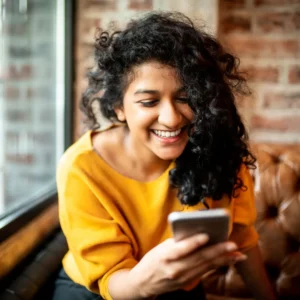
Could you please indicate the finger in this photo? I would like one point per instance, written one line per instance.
(190, 269)
(224, 260)
(205, 256)
(184, 247)
(217, 250)
(196, 265)
(185, 275)
(234, 254)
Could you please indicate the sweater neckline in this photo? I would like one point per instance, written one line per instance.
(110, 169)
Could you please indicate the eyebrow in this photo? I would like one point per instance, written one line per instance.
(146, 92)
(155, 92)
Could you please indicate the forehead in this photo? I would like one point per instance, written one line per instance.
(155, 75)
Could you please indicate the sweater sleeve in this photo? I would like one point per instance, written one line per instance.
(96, 241)
(244, 214)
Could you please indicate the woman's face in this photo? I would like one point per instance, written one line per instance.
(156, 111)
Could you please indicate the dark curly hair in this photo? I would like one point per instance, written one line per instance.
(217, 145)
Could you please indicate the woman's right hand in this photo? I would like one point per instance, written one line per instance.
(173, 265)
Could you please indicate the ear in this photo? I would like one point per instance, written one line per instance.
(120, 114)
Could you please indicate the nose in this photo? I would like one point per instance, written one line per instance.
(169, 115)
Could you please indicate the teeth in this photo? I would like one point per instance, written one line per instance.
(167, 134)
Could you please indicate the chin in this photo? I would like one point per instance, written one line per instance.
(169, 156)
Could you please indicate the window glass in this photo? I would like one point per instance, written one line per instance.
(31, 100)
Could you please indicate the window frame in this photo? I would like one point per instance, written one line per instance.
(17, 218)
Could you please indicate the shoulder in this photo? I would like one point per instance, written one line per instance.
(84, 154)
(77, 154)
(108, 139)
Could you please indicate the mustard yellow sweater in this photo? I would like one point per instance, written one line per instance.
(111, 221)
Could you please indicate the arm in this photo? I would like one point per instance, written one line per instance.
(254, 275)
(122, 286)
(98, 247)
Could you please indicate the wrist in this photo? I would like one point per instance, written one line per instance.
(140, 284)
(123, 285)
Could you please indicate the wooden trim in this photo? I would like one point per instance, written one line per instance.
(19, 245)
(33, 280)
(20, 217)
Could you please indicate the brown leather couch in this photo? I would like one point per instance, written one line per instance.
(277, 193)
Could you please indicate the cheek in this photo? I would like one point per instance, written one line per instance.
(140, 119)
(187, 113)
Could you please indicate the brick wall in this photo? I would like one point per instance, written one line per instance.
(265, 34)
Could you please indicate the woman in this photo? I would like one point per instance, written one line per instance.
(174, 142)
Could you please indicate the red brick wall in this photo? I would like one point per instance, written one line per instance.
(265, 34)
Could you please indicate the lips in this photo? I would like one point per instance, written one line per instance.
(167, 134)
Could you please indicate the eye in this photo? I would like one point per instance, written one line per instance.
(148, 103)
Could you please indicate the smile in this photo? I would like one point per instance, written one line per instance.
(167, 134)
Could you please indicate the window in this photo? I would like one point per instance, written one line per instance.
(34, 91)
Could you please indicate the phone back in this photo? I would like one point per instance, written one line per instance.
(214, 222)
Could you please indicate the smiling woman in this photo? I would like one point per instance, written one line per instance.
(175, 143)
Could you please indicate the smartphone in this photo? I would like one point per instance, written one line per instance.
(213, 222)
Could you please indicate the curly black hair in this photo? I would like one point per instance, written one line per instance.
(218, 141)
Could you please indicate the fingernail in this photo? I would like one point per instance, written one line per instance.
(202, 237)
(237, 259)
(231, 247)
(241, 257)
